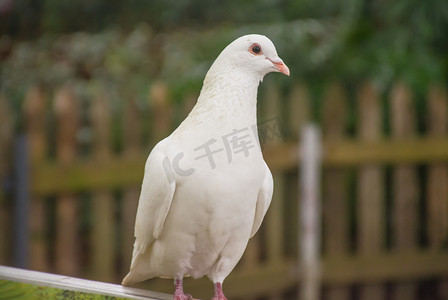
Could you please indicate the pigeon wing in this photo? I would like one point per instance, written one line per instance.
(155, 200)
(263, 200)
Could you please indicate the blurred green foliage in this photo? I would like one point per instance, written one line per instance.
(134, 42)
(13, 290)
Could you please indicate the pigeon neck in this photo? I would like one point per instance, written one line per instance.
(232, 93)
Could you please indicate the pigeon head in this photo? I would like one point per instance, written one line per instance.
(255, 53)
(251, 56)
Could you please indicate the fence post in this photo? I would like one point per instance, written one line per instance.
(102, 236)
(67, 216)
(437, 213)
(299, 114)
(310, 208)
(274, 216)
(132, 148)
(405, 185)
(6, 137)
(21, 209)
(335, 188)
(34, 111)
(437, 188)
(370, 189)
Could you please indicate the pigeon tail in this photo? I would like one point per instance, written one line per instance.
(128, 280)
(133, 278)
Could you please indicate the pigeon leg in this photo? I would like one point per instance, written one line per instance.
(219, 294)
(179, 292)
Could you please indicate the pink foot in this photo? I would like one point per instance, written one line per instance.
(179, 292)
(219, 294)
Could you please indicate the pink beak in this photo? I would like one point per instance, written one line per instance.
(280, 65)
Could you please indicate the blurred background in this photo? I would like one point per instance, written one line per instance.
(88, 87)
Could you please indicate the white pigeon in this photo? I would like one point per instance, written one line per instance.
(206, 187)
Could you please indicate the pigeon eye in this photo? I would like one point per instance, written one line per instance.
(255, 49)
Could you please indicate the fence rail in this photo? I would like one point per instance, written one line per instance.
(25, 284)
(384, 192)
(94, 174)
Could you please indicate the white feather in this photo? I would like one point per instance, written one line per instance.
(263, 201)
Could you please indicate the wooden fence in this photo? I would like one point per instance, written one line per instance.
(384, 188)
